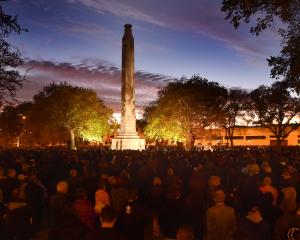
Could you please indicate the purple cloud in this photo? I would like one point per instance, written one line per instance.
(100, 76)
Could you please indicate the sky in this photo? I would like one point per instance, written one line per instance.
(79, 41)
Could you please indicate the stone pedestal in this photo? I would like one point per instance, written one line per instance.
(128, 137)
(128, 143)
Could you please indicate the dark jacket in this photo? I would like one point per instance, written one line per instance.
(220, 222)
(104, 233)
(171, 217)
(85, 212)
(65, 223)
(248, 230)
(132, 221)
(284, 223)
(58, 202)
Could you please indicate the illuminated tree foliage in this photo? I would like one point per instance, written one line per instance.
(276, 110)
(287, 64)
(10, 57)
(182, 107)
(77, 110)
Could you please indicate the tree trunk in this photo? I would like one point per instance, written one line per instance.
(231, 141)
(230, 133)
(226, 136)
(72, 143)
(188, 143)
(278, 141)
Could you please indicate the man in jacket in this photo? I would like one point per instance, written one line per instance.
(220, 219)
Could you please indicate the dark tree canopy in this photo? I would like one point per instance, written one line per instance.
(13, 121)
(264, 13)
(10, 57)
(234, 108)
(276, 109)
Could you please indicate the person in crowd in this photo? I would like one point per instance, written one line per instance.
(174, 209)
(267, 187)
(291, 214)
(58, 204)
(9, 183)
(74, 182)
(185, 232)
(253, 226)
(102, 198)
(119, 195)
(156, 195)
(185, 202)
(220, 219)
(84, 209)
(58, 201)
(214, 183)
(252, 167)
(36, 197)
(170, 178)
(65, 223)
(270, 213)
(106, 231)
(18, 219)
(133, 218)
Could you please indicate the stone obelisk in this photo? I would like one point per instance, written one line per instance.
(128, 137)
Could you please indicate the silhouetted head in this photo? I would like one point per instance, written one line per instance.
(108, 216)
(219, 196)
(11, 173)
(73, 172)
(81, 193)
(185, 232)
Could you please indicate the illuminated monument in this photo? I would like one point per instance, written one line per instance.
(128, 137)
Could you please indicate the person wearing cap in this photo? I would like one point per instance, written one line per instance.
(220, 219)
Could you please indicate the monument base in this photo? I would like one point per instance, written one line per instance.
(128, 143)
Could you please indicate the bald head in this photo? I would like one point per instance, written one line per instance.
(62, 187)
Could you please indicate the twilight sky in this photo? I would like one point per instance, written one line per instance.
(79, 41)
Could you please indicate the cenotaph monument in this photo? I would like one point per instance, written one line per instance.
(128, 137)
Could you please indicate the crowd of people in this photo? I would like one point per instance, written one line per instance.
(219, 194)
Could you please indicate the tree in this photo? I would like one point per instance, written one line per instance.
(182, 107)
(287, 65)
(232, 110)
(10, 57)
(13, 121)
(77, 110)
(276, 110)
